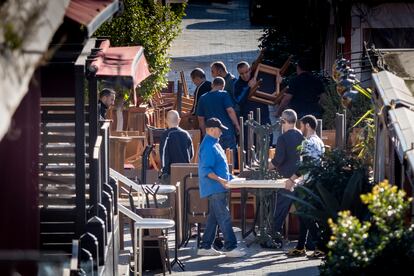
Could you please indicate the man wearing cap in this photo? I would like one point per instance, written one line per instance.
(214, 174)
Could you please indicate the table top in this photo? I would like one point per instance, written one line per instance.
(258, 184)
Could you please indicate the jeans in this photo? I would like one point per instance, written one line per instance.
(281, 209)
(219, 215)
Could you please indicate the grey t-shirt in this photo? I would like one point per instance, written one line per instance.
(287, 155)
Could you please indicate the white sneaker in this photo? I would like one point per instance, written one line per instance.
(208, 252)
(235, 253)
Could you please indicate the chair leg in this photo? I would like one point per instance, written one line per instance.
(198, 234)
(167, 253)
(135, 252)
(188, 234)
(141, 250)
(161, 247)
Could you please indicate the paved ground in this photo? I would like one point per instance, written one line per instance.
(258, 261)
(223, 32)
(214, 32)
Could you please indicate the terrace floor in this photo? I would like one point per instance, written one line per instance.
(258, 261)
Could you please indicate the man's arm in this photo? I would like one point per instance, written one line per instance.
(280, 154)
(215, 177)
(201, 124)
(284, 103)
(163, 150)
(233, 117)
(191, 148)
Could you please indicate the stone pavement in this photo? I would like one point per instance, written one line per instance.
(212, 32)
(258, 261)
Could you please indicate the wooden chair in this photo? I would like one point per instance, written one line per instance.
(195, 208)
(134, 148)
(158, 235)
(196, 138)
(139, 225)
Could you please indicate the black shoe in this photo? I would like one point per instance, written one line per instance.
(218, 243)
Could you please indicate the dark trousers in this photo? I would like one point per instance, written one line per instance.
(305, 235)
(281, 210)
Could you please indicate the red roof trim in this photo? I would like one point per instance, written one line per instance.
(127, 62)
(91, 13)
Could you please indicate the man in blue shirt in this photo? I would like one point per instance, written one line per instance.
(218, 104)
(214, 174)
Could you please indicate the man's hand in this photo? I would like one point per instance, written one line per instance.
(279, 79)
(220, 180)
(289, 184)
(252, 82)
(223, 182)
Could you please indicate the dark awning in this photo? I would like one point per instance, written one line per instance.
(128, 63)
(91, 13)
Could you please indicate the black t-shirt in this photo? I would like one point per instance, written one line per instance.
(287, 155)
(176, 147)
(306, 90)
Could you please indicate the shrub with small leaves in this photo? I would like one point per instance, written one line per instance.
(381, 246)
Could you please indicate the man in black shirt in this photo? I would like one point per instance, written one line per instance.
(218, 69)
(303, 93)
(106, 99)
(241, 93)
(198, 77)
(176, 145)
(286, 162)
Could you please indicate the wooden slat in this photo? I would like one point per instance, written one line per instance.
(65, 247)
(59, 149)
(54, 214)
(57, 138)
(57, 201)
(56, 118)
(55, 237)
(63, 169)
(56, 159)
(57, 179)
(45, 108)
(57, 227)
(61, 191)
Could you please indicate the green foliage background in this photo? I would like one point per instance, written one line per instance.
(152, 26)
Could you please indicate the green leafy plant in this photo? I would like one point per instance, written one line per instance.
(153, 26)
(384, 245)
(332, 185)
(364, 147)
(330, 102)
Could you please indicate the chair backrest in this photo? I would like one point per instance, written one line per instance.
(196, 138)
(164, 213)
(155, 212)
(196, 208)
(154, 134)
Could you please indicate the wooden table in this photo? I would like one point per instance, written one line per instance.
(259, 187)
